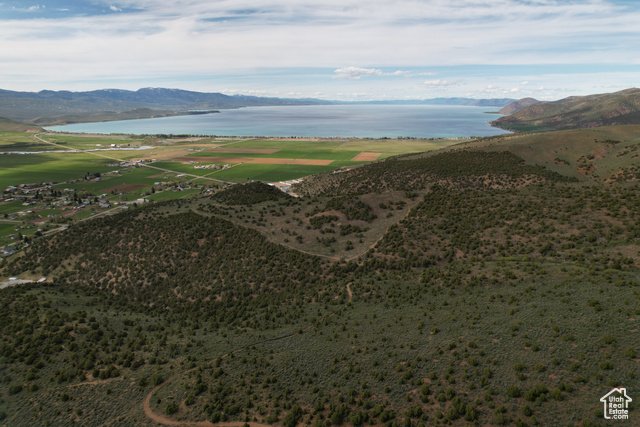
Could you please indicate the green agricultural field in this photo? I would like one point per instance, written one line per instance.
(181, 168)
(270, 173)
(84, 142)
(46, 212)
(138, 176)
(62, 167)
(171, 195)
(286, 144)
(332, 149)
(392, 147)
(286, 154)
(21, 141)
(33, 168)
(11, 207)
(6, 228)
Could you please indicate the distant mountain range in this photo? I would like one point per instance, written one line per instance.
(56, 107)
(46, 107)
(492, 102)
(59, 107)
(575, 112)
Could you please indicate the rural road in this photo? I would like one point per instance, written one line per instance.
(37, 136)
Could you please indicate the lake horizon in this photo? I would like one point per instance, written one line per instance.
(308, 121)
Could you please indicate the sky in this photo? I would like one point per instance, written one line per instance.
(350, 50)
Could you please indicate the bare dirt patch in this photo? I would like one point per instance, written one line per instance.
(366, 156)
(585, 170)
(310, 162)
(245, 150)
(125, 187)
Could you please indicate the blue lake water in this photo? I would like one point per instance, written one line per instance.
(360, 121)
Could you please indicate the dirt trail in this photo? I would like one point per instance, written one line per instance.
(161, 419)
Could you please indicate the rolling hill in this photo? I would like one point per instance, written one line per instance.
(473, 286)
(62, 106)
(519, 105)
(494, 282)
(13, 126)
(602, 154)
(576, 112)
(49, 107)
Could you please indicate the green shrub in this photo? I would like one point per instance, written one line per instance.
(514, 391)
(171, 408)
(15, 388)
(536, 392)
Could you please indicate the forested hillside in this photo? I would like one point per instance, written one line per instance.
(460, 168)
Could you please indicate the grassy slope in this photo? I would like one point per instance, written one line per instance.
(617, 108)
(512, 301)
(33, 168)
(7, 125)
(598, 154)
(105, 116)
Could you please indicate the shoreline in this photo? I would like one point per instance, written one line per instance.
(424, 122)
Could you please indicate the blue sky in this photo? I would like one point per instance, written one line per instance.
(331, 49)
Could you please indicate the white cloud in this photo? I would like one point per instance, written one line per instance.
(251, 92)
(185, 40)
(33, 8)
(439, 84)
(354, 73)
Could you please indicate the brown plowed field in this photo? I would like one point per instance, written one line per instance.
(366, 156)
(310, 162)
